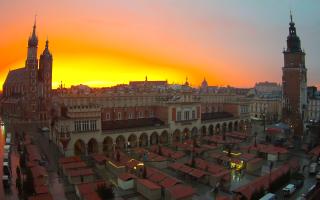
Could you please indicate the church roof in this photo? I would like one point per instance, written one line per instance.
(16, 76)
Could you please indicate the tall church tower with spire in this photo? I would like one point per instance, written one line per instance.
(32, 73)
(45, 82)
(294, 82)
(27, 91)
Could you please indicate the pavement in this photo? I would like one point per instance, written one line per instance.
(47, 150)
(11, 193)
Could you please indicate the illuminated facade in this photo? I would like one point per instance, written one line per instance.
(103, 121)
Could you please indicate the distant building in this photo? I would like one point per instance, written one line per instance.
(313, 104)
(294, 82)
(148, 84)
(267, 88)
(27, 90)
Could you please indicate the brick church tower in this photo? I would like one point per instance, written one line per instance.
(294, 82)
(32, 75)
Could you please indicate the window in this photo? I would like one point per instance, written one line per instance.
(119, 115)
(93, 125)
(140, 114)
(130, 116)
(107, 116)
(186, 115)
(179, 116)
(193, 114)
(151, 113)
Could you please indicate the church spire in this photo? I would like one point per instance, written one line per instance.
(33, 39)
(46, 51)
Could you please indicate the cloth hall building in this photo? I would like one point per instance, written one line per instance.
(128, 116)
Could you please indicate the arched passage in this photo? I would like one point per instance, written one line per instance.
(185, 134)
(224, 127)
(194, 132)
(92, 146)
(203, 131)
(235, 127)
(120, 142)
(211, 130)
(164, 137)
(79, 148)
(230, 127)
(241, 125)
(154, 138)
(132, 141)
(143, 140)
(176, 135)
(217, 129)
(107, 144)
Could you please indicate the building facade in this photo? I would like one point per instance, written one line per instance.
(140, 116)
(294, 82)
(27, 90)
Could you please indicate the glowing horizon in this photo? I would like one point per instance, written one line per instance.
(110, 43)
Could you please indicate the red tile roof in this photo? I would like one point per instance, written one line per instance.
(150, 185)
(177, 155)
(81, 172)
(157, 177)
(39, 182)
(181, 191)
(216, 155)
(43, 189)
(74, 165)
(38, 171)
(41, 197)
(213, 168)
(33, 153)
(69, 159)
(92, 196)
(197, 173)
(101, 159)
(169, 182)
(223, 198)
(185, 169)
(255, 160)
(87, 188)
(126, 176)
(315, 151)
(247, 156)
(175, 165)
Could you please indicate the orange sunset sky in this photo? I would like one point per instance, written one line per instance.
(103, 43)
